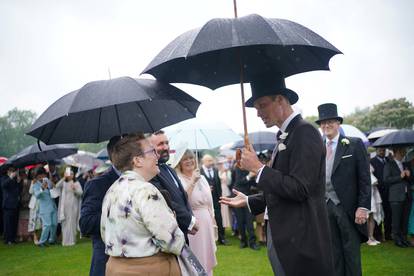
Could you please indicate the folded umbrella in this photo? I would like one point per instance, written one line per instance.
(107, 108)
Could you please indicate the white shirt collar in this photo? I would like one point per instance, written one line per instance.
(334, 140)
(288, 120)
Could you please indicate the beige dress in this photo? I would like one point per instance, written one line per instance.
(225, 177)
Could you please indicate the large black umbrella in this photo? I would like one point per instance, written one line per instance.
(260, 140)
(103, 109)
(402, 138)
(209, 55)
(227, 51)
(40, 152)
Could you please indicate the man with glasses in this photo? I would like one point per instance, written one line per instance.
(348, 191)
(167, 180)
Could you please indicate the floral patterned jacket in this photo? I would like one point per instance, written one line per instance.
(136, 221)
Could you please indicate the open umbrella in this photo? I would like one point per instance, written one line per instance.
(106, 108)
(236, 50)
(200, 134)
(83, 159)
(373, 136)
(41, 152)
(102, 154)
(402, 138)
(3, 160)
(351, 131)
(260, 140)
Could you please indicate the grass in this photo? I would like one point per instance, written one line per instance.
(26, 259)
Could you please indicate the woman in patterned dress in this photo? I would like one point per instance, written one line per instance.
(138, 228)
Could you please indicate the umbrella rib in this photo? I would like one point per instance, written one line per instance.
(205, 136)
(145, 115)
(99, 124)
(117, 119)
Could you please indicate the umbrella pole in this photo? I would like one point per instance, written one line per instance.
(195, 135)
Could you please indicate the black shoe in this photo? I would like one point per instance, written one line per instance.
(243, 244)
(53, 243)
(254, 246)
(42, 245)
(399, 243)
(406, 243)
(224, 242)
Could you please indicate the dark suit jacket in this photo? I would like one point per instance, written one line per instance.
(351, 178)
(11, 193)
(90, 217)
(178, 198)
(397, 186)
(215, 183)
(240, 182)
(294, 192)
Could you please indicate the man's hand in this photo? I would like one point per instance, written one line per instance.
(249, 160)
(361, 216)
(240, 200)
(407, 173)
(194, 230)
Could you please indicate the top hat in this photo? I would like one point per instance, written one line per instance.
(268, 85)
(328, 111)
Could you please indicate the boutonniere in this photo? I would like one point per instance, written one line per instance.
(281, 147)
(284, 135)
(345, 141)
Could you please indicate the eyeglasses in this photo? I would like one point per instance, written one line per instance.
(329, 122)
(151, 150)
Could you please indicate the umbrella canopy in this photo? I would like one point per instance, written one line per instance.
(3, 160)
(41, 152)
(260, 140)
(380, 133)
(83, 159)
(102, 154)
(210, 55)
(402, 138)
(200, 134)
(409, 156)
(106, 108)
(351, 131)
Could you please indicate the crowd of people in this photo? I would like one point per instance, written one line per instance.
(311, 201)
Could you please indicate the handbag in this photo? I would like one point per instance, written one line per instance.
(189, 264)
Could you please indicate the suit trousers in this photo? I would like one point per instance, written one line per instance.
(345, 242)
(99, 258)
(219, 222)
(245, 222)
(272, 254)
(49, 224)
(10, 220)
(400, 215)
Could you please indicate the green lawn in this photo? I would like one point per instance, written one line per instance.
(26, 259)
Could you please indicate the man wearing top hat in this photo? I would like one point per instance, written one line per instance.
(293, 185)
(348, 191)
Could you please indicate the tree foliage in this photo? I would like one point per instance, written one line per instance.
(13, 126)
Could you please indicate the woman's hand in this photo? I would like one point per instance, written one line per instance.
(195, 177)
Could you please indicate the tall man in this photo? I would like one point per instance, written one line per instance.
(378, 162)
(348, 192)
(167, 180)
(293, 185)
(90, 217)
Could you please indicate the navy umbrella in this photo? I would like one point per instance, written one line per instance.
(209, 55)
(41, 152)
(260, 140)
(102, 154)
(402, 138)
(106, 108)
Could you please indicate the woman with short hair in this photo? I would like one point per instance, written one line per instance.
(139, 230)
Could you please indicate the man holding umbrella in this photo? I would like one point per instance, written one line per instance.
(293, 185)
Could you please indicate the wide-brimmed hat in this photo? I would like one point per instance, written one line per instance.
(328, 111)
(177, 154)
(268, 85)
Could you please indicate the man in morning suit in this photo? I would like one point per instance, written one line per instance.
(378, 162)
(348, 192)
(167, 180)
(293, 185)
(90, 217)
(213, 179)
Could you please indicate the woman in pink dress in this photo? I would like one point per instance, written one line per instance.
(202, 243)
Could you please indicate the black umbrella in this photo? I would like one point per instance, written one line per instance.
(38, 153)
(402, 138)
(227, 51)
(261, 141)
(103, 109)
(209, 55)
(102, 154)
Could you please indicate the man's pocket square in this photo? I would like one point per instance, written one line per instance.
(346, 156)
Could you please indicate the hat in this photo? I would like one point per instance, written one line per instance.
(178, 153)
(268, 85)
(328, 111)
